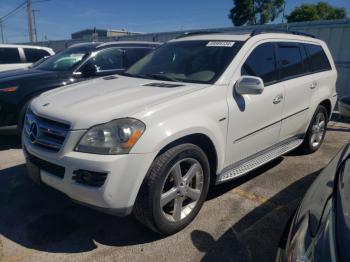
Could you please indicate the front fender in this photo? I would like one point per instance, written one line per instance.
(158, 135)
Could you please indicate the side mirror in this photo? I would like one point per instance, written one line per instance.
(89, 70)
(249, 85)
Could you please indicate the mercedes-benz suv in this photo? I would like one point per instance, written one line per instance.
(199, 110)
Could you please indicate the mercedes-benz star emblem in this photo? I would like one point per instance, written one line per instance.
(33, 132)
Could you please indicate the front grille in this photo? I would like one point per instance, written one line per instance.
(45, 133)
(53, 169)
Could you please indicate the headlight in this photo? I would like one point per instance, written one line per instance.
(299, 248)
(113, 138)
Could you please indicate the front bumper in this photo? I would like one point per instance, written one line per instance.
(117, 195)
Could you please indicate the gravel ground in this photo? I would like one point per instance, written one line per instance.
(240, 221)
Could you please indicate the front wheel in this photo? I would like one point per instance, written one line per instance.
(316, 131)
(174, 189)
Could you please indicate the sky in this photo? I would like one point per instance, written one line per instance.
(57, 19)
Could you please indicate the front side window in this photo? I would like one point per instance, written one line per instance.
(196, 61)
(317, 59)
(66, 60)
(107, 59)
(33, 55)
(289, 60)
(261, 63)
(9, 55)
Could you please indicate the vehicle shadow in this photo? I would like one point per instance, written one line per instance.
(40, 218)
(256, 236)
(10, 142)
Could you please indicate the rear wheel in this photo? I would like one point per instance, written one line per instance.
(174, 189)
(316, 131)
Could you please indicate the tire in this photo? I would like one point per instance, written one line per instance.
(165, 218)
(316, 131)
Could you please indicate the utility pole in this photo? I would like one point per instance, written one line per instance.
(35, 27)
(2, 31)
(30, 20)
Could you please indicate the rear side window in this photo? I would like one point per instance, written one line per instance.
(317, 59)
(9, 55)
(261, 63)
(290, 60)
(132, 55)
(33, 55)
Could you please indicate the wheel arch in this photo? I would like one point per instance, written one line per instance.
(328, 105)
(202, 141)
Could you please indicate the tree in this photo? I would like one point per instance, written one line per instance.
(249, 12)
(312, 12)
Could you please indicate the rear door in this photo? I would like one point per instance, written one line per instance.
(297, 83)
(34, 54)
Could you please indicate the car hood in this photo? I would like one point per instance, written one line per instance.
(101, 100)
(19, 76)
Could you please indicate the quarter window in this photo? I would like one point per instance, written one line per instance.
(33, 55)
(9, 55)
(317, 59)
(289, 60)
(261, 63)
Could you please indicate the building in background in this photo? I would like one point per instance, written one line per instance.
(89, 34)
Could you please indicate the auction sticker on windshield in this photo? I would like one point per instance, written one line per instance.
(221, 43)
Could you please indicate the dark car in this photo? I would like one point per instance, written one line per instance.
(320, 229)
(76, 63)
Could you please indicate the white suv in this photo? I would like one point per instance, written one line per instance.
(199, 110)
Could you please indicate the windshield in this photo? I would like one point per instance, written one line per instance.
(187, 61)
(65, 60)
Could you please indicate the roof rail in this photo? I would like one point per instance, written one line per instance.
(197, 33)
(282, 31)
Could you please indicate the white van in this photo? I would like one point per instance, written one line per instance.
(21, 56)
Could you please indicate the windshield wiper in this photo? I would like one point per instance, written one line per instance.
(162, 77)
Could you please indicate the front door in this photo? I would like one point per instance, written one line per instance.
(255, 120)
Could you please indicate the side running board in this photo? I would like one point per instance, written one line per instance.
(246, 165)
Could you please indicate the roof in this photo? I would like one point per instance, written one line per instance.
(133, 43)
(28, 46)
(243, 35)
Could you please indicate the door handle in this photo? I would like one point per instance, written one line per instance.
(313, 85)
(278, 99)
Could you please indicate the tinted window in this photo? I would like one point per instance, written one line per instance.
(289, 60)
(261, 62)
(108, 59)
(33, 55)
(188, 61)
(132, 55)
(317, 59)
(9, 56)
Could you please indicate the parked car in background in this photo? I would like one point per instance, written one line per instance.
(21, 56)
(199, 109)
(320, 229)
(76, 63)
